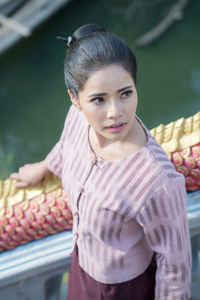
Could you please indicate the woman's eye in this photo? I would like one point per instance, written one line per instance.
(97, 100)
(126, 94)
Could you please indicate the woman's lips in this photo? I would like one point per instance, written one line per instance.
(116, 127)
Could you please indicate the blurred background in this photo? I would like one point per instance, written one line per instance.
(33, 96)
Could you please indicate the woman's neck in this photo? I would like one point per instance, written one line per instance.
(116, 150)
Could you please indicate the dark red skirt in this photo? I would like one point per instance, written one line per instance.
(83, 287)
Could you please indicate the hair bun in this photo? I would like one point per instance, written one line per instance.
(82, 32)
(86, 30)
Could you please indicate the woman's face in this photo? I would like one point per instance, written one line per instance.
(109, 101)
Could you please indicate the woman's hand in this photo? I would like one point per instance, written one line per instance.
(30, 174)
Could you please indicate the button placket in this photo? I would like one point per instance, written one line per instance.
(93, 159)
(79, 190)
(100, 164)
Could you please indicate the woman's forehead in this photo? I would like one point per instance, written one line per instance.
(108, 78)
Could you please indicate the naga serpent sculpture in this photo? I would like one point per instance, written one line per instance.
(33, 213)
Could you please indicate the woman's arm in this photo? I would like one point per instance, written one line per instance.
(165, 225)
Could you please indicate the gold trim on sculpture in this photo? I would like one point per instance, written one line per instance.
(178, 135)
(10, 196)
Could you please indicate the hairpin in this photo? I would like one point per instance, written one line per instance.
(68, 40)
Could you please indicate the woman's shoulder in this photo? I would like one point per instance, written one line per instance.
(159, 160)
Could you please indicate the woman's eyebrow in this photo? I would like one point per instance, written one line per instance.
(97, 95)
(104, 94)
(124, 88)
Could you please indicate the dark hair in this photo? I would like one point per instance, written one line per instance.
(91, 47)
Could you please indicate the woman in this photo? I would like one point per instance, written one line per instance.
(131, 237)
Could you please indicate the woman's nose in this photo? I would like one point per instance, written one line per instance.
(113, 111)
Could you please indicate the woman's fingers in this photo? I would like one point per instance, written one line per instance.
(30, 174)
(21, 184)
(15, 176)
(22, 174)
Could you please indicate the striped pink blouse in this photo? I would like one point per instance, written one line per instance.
(125, 210)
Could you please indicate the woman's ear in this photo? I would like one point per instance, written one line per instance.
(74, 100)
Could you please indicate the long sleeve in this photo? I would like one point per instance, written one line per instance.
(165, 224)
(54, 159)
